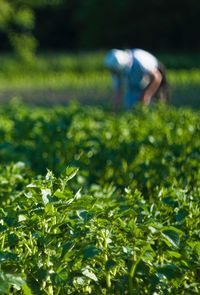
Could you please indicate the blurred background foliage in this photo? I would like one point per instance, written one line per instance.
(59, 46)
(91, 24)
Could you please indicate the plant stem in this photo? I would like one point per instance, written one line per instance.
(133, 269)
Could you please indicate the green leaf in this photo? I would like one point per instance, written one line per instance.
(60, 194)
(4, 284)
(7, 256)
(59, 278)
(26, 290)
(67, 250)
(174, 254)
(153, 229)
(181, 215)
(195, 245)
(70, 173)
(22, 217)
(87, 272)
(91, 251)
(33, 187)
(45, 194)
(169, 271)
(83, 215)
(79, 281)
(12, 239)
(3, 228)
(49, 209)
(34, 286)
(171, 238)
(7, 280)
(172, 228)
(110, 264)
(197, 248)
(170, 202)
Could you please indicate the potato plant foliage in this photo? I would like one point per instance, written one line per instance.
(98, 203)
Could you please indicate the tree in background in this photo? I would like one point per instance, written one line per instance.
(98, 24)
(17, 22)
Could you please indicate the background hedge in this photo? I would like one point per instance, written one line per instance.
(91, 24)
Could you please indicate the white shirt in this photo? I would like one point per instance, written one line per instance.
(139, 64)
(146, 59)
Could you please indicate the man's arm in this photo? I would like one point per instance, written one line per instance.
(151, 89)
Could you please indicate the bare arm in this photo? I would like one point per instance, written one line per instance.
(151, 89)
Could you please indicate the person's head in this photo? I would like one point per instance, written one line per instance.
(116, 60)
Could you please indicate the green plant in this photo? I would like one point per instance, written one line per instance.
(90, 203)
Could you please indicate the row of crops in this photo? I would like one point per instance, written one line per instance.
(93, 202)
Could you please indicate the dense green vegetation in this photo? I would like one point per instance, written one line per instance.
(99, 203)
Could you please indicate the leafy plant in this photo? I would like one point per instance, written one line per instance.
(93, 202)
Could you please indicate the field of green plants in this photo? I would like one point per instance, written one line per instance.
(99, 203)
(95, 202)
(56, 78)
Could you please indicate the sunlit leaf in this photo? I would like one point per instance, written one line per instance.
(89, 274)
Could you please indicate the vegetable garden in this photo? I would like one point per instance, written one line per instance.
(91, 201)
(99, 203)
